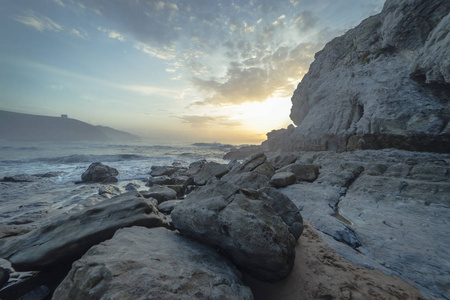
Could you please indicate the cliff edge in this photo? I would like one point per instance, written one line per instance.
(383, 84)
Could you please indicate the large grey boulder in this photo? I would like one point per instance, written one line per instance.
(303, 172)
(162, 170)
(210, 170)
(241, 224)
(283, 179)
(98, 172)
(140, 263)
(69, 238)
(160, 193)
(284, 208)
(383, 84)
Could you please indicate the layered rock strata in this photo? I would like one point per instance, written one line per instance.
(383, 84)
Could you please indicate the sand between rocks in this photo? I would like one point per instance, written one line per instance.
(321, 273)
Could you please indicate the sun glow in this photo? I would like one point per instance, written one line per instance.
(262, 117)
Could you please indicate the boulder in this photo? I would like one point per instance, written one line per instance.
(303, 172)
(161, 180)
(282, 159)
(110, 190)
(98, 172)
(208, 171)
(21, 178)
(160, 193)
(162, 170)
(249, 164)
(140, 263)
(4, 277)
(248, 180)
(179, 189)
(167, 206)
(67, 239)
(283, 179)
(132, 187)
(242, 152)
(285, 208)
(241, 225)
(265, 169)
(195, 167)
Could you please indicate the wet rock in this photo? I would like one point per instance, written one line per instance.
(162, 170)
(161, 180)
(68, 238)
(160, 193)
(20, 178)
(131, 187)
(140, 263)
(283, 179)
(110, 191)
(98, 172)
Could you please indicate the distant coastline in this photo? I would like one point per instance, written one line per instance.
(27, 127)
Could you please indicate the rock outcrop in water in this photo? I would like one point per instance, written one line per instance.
(384, 84)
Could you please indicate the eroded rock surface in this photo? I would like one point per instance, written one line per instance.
(384, 209)
(384, 84)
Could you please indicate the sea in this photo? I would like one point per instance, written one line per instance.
(70, 159)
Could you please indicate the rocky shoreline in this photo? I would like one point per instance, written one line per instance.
(247, 215)
(340, 206)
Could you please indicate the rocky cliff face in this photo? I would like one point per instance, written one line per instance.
(384, 84)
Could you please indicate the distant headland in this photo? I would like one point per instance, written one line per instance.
(26, 127)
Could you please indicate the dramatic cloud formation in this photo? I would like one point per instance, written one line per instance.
(262, 44)
(224, 66)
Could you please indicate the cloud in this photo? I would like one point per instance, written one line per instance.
(59, 2)
(233, 52)
(112, 34)
(271, 75)
(164, 53)
(201, 121)
(305, 21)
(81, 33)
(148, 90)
(38, 21)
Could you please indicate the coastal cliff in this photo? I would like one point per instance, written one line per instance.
(383, 84)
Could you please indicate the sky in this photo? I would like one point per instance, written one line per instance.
(191, 70)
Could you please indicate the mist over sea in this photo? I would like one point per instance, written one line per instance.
(70, 159)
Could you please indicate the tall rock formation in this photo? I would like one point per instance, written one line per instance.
(383, 84)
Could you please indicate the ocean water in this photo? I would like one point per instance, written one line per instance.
(71, 159)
